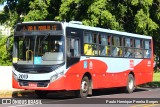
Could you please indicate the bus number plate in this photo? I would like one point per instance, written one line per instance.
(32, 84)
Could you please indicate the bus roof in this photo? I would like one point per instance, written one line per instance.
(107, 30)
(74, 25)
(39, 22)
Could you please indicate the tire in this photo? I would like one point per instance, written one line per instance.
(130, 84)
(41, 94)
(84, 88)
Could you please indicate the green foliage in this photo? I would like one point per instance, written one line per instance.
(38, 10)
(68, 10)
(143, 23)
(101, 16)
(5, 57)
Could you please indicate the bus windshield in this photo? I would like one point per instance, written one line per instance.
(39, 49)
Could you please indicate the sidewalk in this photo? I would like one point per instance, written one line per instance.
(6, 78)
(17, 93)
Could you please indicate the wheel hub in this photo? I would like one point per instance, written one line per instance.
(131, 84)
(84, 86)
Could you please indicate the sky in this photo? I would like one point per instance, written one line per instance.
(1, 6)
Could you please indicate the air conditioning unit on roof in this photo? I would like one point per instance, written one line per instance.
(76, 22)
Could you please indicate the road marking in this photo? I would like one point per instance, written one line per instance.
(144, 105)
(50, 102)
(139, 105)
(150, 105)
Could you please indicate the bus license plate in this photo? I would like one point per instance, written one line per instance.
(32, 84)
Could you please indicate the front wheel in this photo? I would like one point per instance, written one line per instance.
(130, 84)
(84, 88)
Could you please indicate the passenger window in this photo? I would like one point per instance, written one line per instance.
(147, 51)
(138, 50)
(90, 44)
(87, 37)
(117, 46)
(104, 49)
(127, 50)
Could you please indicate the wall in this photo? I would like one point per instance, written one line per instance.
(6, 78)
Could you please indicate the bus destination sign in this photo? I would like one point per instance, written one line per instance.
(38, 27)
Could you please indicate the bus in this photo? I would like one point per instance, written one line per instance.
(56, 56)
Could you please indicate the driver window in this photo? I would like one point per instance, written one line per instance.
(73, 47)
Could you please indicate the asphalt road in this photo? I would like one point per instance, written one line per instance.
(142, 97)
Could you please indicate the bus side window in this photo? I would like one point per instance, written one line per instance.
(138, 51)
(103, 45)
(73, 47)
(146, 49)
(127, 50)
(87, 49)
(90, 43)
(120, 53)
(116, 49)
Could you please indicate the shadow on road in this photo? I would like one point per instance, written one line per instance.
(29, 94)
(113, 91)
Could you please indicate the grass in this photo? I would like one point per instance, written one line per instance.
(156, 77)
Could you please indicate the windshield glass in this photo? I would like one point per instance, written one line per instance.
(40, 50)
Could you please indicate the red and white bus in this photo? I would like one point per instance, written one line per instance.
(62, 56)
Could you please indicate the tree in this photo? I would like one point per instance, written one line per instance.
(155, 15)
(38, 10)
(144, 23)
(92, 12)
(5, 57)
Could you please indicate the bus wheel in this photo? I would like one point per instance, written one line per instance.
(41, 94)
(130, 84)
(84, 89)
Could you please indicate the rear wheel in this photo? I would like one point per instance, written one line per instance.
(84, 89)
(130, 84)
(41, 94)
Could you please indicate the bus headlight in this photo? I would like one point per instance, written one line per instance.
(15, 77)
(61, 73)
(54, 77)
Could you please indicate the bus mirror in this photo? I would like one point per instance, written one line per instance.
(8, 44)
